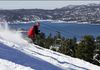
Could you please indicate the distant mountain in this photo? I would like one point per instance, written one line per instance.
(81, 13)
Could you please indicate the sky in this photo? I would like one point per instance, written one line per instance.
(40, 4)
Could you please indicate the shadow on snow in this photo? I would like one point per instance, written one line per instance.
(21, 58)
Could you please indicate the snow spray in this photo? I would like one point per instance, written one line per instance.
(4, 25)
(10, 35)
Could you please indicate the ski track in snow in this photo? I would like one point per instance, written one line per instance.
(35, 57)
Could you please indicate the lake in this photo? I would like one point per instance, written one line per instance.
(66, 30)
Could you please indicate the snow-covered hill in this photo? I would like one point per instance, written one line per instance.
(17, 54)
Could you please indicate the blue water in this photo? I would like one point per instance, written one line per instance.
(66, 30)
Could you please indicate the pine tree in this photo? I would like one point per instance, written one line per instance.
(86, 48)
(97, 42)
(68, 47)
(49, 41)
(71, 44)
(63, 48)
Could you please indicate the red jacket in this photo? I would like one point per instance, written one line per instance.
(31, 31)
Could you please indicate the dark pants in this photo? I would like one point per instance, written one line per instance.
(36, 39)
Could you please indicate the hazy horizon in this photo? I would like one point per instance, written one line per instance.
(41, 4)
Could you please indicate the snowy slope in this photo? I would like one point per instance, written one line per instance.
(7, 65)
(17, 54)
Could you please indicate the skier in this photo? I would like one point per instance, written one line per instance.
(33, 32)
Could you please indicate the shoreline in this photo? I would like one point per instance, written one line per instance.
(55, 22)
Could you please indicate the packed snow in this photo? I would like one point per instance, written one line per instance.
(17, 54)
(8, 65)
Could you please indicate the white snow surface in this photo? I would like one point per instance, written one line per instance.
(17, 54)
(8, 65)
